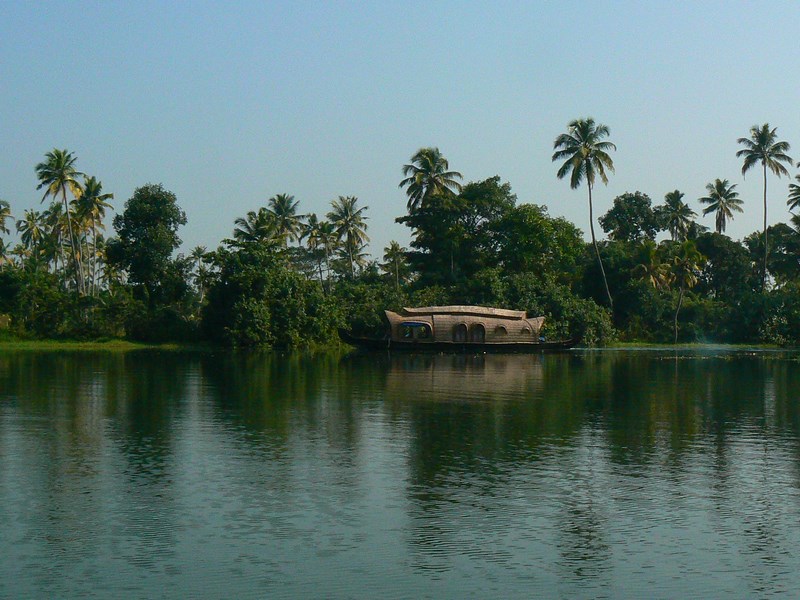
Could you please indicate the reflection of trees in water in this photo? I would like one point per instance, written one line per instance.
(102, 413)
(647, 411)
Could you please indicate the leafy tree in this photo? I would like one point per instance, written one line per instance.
(57, 174)
(728, 271)
(146, 239)
(631, 218)
(255, 300)
(454, 237)
(675, 216)
(585, 155)
(427, 176)
(763, 147)
(351, 228)
(529, 240)
(722, 200)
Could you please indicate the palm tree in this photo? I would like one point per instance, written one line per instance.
(350, 225)
(585, 155)
(676, 215)
(723, 200)
(686, 265)
(394, 257)
(794, 193)
(287, 222)
(32, 231)
(312, 232)
(91, 206)
(762, 146)
(56, 224)
(652, 269)
(255, 227)
(428, 176)
(56, 174)
(5, 215)
(5, 252)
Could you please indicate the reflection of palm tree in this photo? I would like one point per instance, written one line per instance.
(56, 174)
(585, 157)
(762, 146)
(287, 222)
(5, 215)
(428, 176)
(351, 227)
(676, 215)
(722, 200)
(686, 265)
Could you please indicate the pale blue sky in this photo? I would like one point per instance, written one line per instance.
(227, 104)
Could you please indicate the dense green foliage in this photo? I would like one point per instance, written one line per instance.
(286, 279)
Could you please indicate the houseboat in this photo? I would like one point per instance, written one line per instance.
(460, 329)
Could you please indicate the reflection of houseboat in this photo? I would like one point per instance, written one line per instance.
(460, 329)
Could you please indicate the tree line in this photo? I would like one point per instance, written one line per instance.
(289, 279)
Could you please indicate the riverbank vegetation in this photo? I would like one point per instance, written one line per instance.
(286, 278)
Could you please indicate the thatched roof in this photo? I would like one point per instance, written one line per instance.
(477, 311)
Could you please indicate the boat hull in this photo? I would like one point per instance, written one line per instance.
(456, 347)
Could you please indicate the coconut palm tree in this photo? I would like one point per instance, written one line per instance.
(350, 225)
(394, 261)
(585, 154)
(91, 206)
(56, 224)
(676, 215)
(794, 193)
(651, 268)
(763, 147)
(5, 215)
(5, 252)
(287, 222)
(57, 174)
(686, 264)
(426, 176)
(31, 228)
(255, 227)
(722, 200)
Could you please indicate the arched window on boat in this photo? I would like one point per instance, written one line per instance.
(460, 332)
(414, 330)
(477, 333)
(500, 331)
(526, 331)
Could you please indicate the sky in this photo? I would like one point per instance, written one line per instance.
(228, 104)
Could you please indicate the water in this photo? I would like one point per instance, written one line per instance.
(604, 474)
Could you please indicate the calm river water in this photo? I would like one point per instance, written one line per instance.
(589, 474)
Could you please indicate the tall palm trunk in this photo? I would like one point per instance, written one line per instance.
(76, 263)
(766, 245)
(597, 250)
